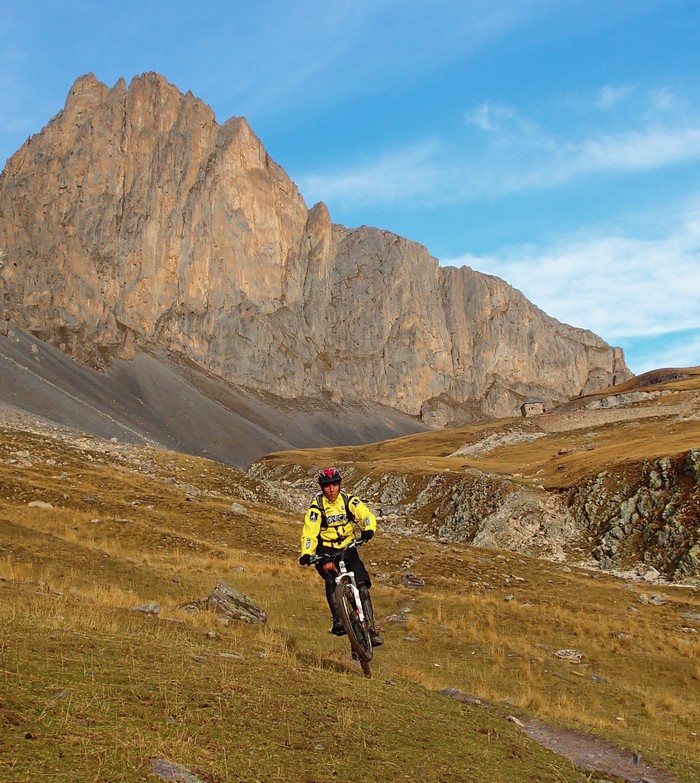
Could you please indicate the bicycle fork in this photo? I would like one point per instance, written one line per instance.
(349, 578)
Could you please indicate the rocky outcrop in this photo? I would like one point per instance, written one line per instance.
(135, 218)
(482, 509)
(627, 398)
(645, 511)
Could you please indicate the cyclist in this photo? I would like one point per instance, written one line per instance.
(328, 527)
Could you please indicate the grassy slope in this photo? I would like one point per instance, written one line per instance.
(592, 443)
(91, 690)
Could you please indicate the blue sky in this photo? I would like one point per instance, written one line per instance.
(554, 143)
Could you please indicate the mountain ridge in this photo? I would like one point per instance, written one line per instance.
(133, 218)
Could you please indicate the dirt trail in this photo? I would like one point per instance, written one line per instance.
(592, 753)
(584, 750)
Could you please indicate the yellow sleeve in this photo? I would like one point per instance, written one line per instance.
(363, 516)
(310, 531)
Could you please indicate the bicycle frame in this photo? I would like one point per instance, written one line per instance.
(349, 577)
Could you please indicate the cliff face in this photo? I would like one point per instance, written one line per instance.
(135, 218)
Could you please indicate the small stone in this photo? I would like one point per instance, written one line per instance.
(572, 656)
(167, 770)
(149, 608)
(455, 693)
(412, 581)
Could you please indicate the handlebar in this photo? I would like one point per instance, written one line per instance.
(326, 557)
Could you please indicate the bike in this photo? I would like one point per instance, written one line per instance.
(349, 603)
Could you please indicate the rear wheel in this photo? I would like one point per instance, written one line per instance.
(356, 629)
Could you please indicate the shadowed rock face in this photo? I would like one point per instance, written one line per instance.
(134, 218)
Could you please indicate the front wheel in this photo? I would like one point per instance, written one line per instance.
(356, 629)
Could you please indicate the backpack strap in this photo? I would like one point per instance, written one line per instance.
(348, 511)
(317, 503)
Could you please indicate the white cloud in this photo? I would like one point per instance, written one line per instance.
(490, 116)
(390, 178)
(616, 286)
(661, 131)
(610, 96)
(634, 150)
(663, 100)
(508, 153)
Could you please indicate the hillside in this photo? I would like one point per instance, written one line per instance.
(94, 690)
(611, 479)
(161, 399)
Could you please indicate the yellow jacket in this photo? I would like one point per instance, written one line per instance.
(337, 532)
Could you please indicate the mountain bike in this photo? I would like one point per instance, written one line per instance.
(352, 615)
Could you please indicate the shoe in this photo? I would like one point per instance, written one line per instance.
(376, 637)
(337, 629)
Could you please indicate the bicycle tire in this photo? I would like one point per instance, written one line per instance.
(357, 632)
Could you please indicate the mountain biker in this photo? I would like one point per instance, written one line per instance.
(328, 527)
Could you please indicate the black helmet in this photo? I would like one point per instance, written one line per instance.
(329, 476)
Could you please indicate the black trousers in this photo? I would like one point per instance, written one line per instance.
(353, 563)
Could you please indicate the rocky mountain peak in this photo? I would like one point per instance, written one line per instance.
(135, 218)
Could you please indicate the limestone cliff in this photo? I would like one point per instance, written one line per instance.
(135, 218)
